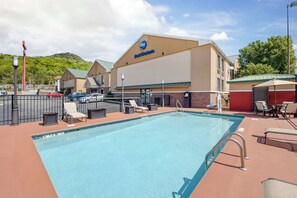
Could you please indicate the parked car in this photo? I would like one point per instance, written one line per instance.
(52, 94)
(93, 97)
(3, 92)
(75, 96)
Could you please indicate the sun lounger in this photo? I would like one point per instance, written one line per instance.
(134, 104)
(71, 112)
(279, 131)
(274, 188)
(261, 106)
(290, 108)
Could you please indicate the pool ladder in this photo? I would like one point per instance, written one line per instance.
(226, 138)
(178, 105)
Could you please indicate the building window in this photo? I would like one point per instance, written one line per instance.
(232, 75)
(222, 85)
(218, 84)
(223, 68)
(218, 64)
(102, 79)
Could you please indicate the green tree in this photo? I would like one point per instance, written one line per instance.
(41, 69)
(254, 69)
(273, 52)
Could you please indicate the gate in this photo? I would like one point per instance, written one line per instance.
(260, 93)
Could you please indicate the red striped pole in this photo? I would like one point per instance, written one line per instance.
(24, 66)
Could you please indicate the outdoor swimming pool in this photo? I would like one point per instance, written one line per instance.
(157, 156)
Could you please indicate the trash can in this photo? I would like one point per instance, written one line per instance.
(152, 107)
(96, 113)
(187, 100)
(50, 118)
(129, 110)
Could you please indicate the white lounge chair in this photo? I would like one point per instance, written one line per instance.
(273, 188)
(134, 104)
(71, 112)
(282, 109)
(279, 131)
(289, 109)
(261, 106)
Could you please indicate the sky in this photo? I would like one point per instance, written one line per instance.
(105, 29)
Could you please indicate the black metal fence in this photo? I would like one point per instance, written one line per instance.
(32, 107)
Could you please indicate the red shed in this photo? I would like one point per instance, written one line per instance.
(243, 94)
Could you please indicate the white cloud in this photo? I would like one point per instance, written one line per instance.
(91, 28)
(186, 15)
(161, 9)
(295, 46)
(177, 32)
(220, 36)
(218, 19)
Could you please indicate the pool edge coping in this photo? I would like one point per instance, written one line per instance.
(41, 135)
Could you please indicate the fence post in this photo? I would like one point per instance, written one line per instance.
(63, 107)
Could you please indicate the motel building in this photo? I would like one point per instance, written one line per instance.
(99, 77)
(73, 80)
(190, 70)
(243, 94)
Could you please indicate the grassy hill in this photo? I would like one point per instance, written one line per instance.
(41, 69)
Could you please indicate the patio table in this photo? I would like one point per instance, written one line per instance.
(276, 108)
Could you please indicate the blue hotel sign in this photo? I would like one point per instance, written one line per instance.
(142, 45)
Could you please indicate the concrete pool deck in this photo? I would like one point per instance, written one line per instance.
(23, 174)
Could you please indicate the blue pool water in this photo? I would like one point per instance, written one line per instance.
(157, 156)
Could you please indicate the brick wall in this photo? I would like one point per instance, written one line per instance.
(174, 97)
(105, 90)
(200, 99)
(197, 99)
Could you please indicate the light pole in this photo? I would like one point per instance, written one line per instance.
(293, 4)
(162, 93)
(123, 105)
(295, 72)
(15, 108)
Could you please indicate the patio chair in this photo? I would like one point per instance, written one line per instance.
(279, 131)
(134, 104)
(284, 105)
(71, 112)
(273, 188)
(261, 106)
(289, 109)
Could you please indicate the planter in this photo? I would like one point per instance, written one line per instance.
(129, 110)
(152, 107)
(96, 113)
(50, 118)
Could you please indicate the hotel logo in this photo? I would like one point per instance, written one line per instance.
(143, 44)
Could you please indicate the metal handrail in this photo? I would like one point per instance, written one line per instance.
(178, 103)
(243, 152)
(243, 144)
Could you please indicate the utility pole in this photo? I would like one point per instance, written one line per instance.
(24, 66)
